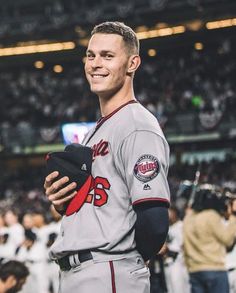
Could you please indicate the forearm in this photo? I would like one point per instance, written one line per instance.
(151, 229)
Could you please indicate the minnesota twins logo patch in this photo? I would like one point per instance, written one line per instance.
(146, 168)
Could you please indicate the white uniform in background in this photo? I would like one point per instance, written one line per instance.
(54, 227)
(35, 259)
(52, 269)
(7, 249)
(42, 233)
(52, 274)
(175, 270)
(16, 234)
(231, 267)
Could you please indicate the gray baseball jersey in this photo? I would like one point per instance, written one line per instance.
(130, 165)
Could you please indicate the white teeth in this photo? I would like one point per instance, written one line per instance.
(98, 76)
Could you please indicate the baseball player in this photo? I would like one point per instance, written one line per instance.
(103, 244)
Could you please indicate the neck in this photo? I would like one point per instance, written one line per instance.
(111, 103)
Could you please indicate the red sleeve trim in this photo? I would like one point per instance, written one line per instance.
(151, 199)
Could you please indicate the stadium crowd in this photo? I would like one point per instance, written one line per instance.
(167, 84)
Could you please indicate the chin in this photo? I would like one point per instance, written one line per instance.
(97, 90)
(102, 92)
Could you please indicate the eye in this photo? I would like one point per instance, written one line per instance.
(108, 56)
(90, 56)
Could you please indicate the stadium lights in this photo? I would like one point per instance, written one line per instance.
(58, 68)
(152, 52)
(198, 46)
(221, 23)
(142, 33)
(38, 64)
(162, 32)
(37, 48)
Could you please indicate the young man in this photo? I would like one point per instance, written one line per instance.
(124, 221)
(13, 275)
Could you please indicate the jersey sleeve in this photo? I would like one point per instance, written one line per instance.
(144, 159)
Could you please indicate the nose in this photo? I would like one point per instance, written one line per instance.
(97, 62)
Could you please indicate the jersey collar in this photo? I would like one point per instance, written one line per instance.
(103, 119)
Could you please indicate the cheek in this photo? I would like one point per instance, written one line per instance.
(85, 68)
(86, 72)
(118, 70)
(121, 74)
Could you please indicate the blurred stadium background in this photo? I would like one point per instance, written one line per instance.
(187, 80)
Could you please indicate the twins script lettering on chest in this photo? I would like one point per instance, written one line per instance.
(100, 149)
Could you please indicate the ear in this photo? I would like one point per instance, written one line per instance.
(133, 64)
(10, 282)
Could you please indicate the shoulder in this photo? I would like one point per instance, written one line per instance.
(210, 214)
(209, 218)
(135, 117)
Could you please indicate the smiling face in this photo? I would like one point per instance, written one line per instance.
(106, 65)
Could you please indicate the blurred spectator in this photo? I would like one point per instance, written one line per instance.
(7, 249)
(52, 269)
(33, 253)
(231, 267)
(15, 229)
(13, 275)
(177, 279)
(55, 223)
(28, 221)
(206, 238)
(41, 228)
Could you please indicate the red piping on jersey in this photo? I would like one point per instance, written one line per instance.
(151, 199)
(103, 119)
(113, 283)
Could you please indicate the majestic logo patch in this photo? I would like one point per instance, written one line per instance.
(146, 168)
(146, 187)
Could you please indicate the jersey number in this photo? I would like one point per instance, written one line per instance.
(100, 186)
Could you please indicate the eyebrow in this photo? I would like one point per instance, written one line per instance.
(101, 52)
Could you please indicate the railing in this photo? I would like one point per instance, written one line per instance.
(180, 128)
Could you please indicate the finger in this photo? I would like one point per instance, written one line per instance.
(50, 178)
(62, 192)
(56, 185)
(62, 201)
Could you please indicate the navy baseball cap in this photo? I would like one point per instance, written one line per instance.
(76, 163)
